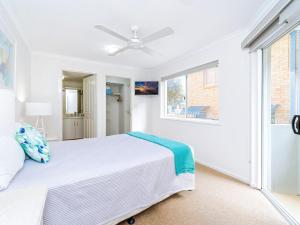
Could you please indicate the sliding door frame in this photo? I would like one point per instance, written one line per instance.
(266, 133)
(266, 121)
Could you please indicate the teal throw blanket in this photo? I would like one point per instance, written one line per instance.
(183, 157)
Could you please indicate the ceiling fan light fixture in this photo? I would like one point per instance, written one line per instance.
(110, 49)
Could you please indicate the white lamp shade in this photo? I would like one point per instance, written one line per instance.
(38, 109)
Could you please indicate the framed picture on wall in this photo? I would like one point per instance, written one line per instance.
(7, 62)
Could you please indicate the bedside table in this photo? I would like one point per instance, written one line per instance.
(23, 207)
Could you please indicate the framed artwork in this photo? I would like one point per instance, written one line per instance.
(7, 62)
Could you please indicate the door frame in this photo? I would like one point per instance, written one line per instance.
(60, 100)
(131, 81)
(256, 87)
(256, 74)
(280, 208)
(263, 133)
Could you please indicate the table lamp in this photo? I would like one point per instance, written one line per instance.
(40, 110)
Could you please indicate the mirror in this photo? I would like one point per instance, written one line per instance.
(71, 101)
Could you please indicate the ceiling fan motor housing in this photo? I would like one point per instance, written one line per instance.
(135, 43)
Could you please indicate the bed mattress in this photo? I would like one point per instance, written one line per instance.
(97, 181)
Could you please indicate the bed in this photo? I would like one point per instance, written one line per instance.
(103, 180)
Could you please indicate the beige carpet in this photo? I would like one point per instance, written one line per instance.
(218, 199)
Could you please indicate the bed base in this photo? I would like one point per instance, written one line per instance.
(131, 220)
(130, 216)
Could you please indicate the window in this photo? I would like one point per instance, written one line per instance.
(210, 78)
(283, 59)
(176, 96)
(193, 93)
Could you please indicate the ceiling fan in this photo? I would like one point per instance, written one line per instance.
(135, 41)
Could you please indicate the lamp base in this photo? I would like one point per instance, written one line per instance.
(40, 125)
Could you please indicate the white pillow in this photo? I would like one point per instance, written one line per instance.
(11, 160)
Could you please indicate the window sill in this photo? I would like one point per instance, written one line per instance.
(192, 120)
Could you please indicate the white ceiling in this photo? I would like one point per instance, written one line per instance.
(66, 27)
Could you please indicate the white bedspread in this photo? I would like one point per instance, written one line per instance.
(96, 181)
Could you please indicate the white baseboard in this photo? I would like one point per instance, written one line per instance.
(235, 176)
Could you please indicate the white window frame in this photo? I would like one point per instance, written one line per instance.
(185, 73)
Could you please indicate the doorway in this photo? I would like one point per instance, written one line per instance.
(118, 105)
(79, 105)
(281, 126)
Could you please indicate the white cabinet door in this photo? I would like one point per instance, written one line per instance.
(69, 129)
(79, 128)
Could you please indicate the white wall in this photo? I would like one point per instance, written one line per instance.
(7, 112)
(46, 73)
(22, 83)
(225, 147)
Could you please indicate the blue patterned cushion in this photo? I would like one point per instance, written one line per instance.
(33, 143)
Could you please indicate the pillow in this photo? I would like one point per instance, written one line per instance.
(33, 143)
(11, 160)
(18, 125)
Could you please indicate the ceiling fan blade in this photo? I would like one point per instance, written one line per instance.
(149, 51)
(159, 34)
(111, 32)
(119, 51)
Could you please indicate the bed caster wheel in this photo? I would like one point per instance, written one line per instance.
(131, 220)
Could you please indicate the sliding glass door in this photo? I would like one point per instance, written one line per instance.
(281, 127)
